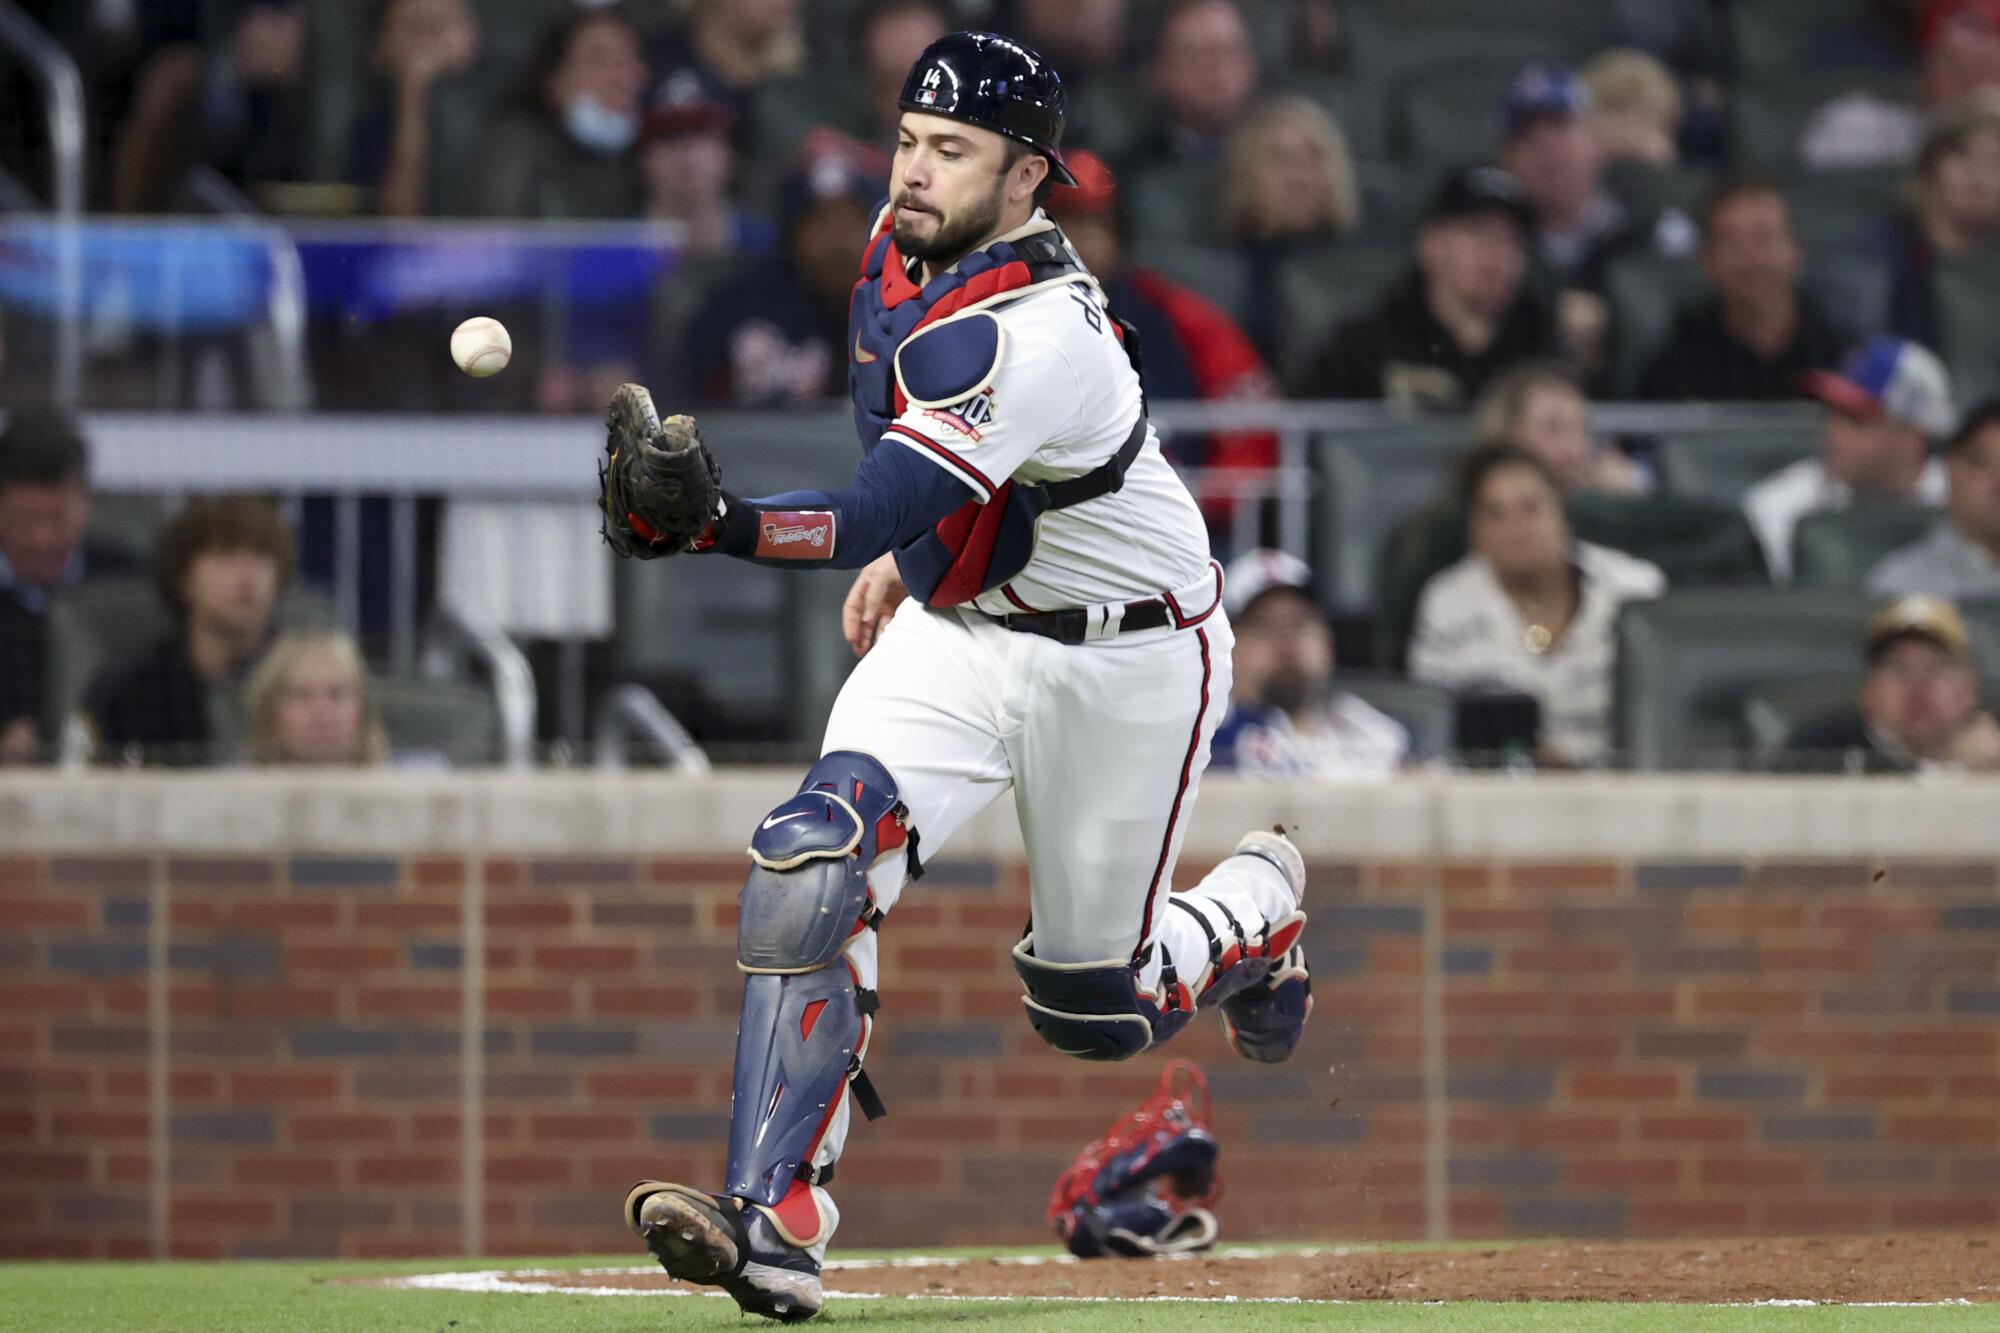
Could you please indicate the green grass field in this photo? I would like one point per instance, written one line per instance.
(295, 1297)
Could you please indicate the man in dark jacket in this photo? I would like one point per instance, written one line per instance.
(1919, 707)
(44, 504)
(1462, 315)
(1759, 334)
(220, 564)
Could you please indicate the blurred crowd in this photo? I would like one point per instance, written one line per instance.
(1319, 199)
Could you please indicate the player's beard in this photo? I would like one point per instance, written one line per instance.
(956, 236)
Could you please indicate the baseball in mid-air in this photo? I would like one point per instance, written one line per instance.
(481, 346)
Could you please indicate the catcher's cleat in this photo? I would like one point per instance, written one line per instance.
(1265, 1019)
(767, 1258)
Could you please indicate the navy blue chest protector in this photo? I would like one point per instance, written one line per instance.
(977, 547)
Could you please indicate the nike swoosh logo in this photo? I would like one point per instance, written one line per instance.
(773, 823)
(862, 354)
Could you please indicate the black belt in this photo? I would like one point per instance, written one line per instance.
(1073, 625)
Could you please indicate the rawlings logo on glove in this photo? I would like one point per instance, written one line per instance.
(659, 488)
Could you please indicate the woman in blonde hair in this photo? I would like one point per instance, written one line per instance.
(308, 702)
(1287, 187)
(1540, 407)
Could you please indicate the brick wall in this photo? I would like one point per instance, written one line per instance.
(1500, 1046)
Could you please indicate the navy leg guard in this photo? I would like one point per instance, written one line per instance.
(804, 1025)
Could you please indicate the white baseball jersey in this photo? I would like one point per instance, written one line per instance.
(1102, 743)
(1061, 400)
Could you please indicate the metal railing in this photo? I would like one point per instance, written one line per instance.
(632, 719)
(61, 87)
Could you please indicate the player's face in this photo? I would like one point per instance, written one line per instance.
(1921, 695)
(951, 184)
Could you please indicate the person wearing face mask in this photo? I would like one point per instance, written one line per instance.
(1286, 718)
(563, 148)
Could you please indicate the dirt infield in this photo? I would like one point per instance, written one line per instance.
(1841, 1270)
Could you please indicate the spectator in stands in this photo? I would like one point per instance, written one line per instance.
(1759, 332)
(1919, 707)
(1286, 718)
(44, 504)
(308, 702)
(1461, 315)
(1954, 211)
(1192, 348)
(1083, 38)
(729, 47)
(689, 167)
(1552, 147)
(1959, 41)
(418, 48)
(777, 335)
(220, 565)
(1204, 74)
(1287, 189)
(1530, 610)
(1884, 407)
(240, 109)
(1635, 107)
(1960, 559)
(1540, 407)
(563, 146)
(890, 36)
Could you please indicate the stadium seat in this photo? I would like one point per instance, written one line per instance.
(1393, 198)
(1420, 546)
(1450, 115)
(1649, 190)
(455, 722)
(1370, 480)
(1779, 35)
(1319, 292)
(1721, 464)
(1686, 662)
(1357, 105)
(1647, 292)
(1112, 112)
(1853, 289)
(1982, 626)
(1697, 542)
(1774, 712)
(1222, 276)
(1172, 205)
(1768, 113)
(1832, 211)
(1836, 548)
(1968, 300)
(1391, 39)
(1426, 711)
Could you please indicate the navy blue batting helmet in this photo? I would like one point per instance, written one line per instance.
(996, 83)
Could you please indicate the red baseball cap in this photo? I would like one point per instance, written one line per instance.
(1095, 191)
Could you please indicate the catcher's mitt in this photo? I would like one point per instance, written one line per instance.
(1146, 1186)
(659, 487)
